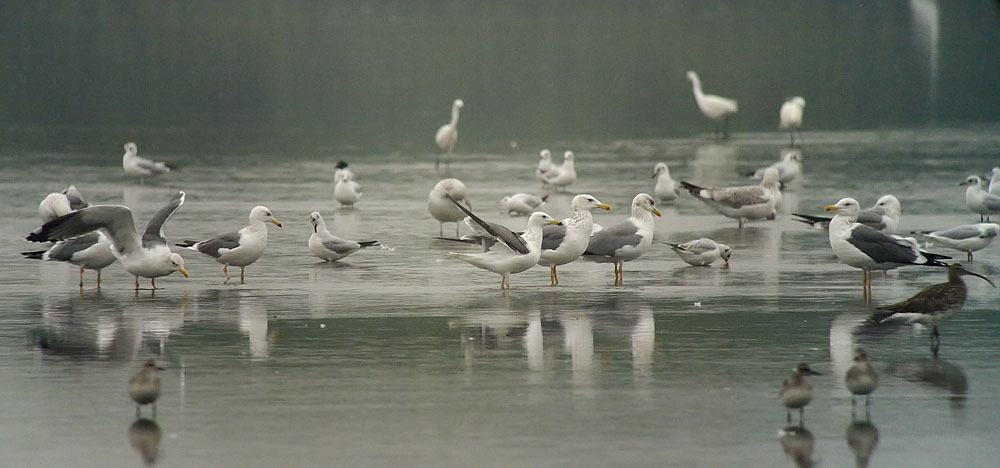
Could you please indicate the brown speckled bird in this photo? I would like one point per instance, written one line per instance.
(144, 387)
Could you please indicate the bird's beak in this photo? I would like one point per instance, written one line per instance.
(831, 208)
(812, 372)
(556, 222)
(963, 183)
(604, 206)
(654, 175)
(657, 212)
(184, 272)
(276, 223)
(727, 263)
(981, 276)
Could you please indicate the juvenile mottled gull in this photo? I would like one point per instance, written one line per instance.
(666, 189)
(967, 238)
(137, 166)
(238, 248)
(91, 251)
(702, 252)
(742, 203)
(325, 245)
(565, 243)
(627, 240)
(148, 256)
(883, 216)
(144, 387)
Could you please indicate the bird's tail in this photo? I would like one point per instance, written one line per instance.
(370, 243)
(187, 244)
(35, 254)
(694, 189)
(934, 259)
(810, 219)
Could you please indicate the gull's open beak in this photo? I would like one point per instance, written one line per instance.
(831, 208)
(556, 222)
(184, 272)
(604, 206)
(275, 221)
(657, 212)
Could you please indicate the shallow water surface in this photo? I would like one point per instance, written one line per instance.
(401, 356)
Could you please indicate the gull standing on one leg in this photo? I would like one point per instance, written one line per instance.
(627, 240)
(565, 243)
(716, 108)
(238, 248)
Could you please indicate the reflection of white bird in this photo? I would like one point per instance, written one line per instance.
(789, 167)
(716, 108)
(325, 245)
(91, 251)
(441, 208)
(544, 165)
(666, 188)
(447, 135)
(702, 252)
(967, 238)
(791, 116)
(137, 166)
(565, 243)
(148, 256)
(522, 203)
(562, 175)
(627, 240)
(238, 248)
(742, 203)
(347, 191)
(57, 204)
(979, 200)
(883, 216)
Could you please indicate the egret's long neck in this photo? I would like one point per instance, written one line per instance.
(696, 85)
(454, 116)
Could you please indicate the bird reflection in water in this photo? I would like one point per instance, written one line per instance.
(798, 443)
(862, 438)
(144, 437)
(940, 374)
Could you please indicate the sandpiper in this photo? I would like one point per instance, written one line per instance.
(144, 387)
(861, 379)
(797, 392)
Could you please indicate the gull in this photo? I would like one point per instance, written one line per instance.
(716, 108)
(57, 204)
(441, 208)
(994, 186)
(347, 191)
(137, 166)
(933, 305)
(979, 200)
(562, 175)
(544, 165)
(148, 256)
(562, 244)
(967, 238)
(627, 240)
(883, 216)
(742, 203)
(791, 116)
(520, 204)
(511, 253)
(91, 251)
(144, 387)
(863, 247)
(341, 167)
(789, 167)
(796, 391)
(666, 188)
(329, 247)
(447, 135)
(237, 248)
(702, 252)
(861, 379)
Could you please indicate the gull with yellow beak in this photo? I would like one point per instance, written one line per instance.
(238, 248)
(627, 240)
(565, 243)
(148, 256)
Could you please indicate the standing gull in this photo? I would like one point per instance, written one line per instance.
(447, 135)
(148, 256)
(521, 204)
(91, 251)
(933, 305)
(979, 200)
(789, 167)
(994, 186)
(742, 203)
(796, 391)
(967, 238)
(716, 108)
(862, 247)
(861, 379)
(441, 208)
(702, 252)
(341, 167)
(137, 166)
(347, 191)
(565, 243)
(544, 165)
(666, 188)
(562, 175)
(238, 248)
(883, 216)
(325, 245)
(57, 204)
(790, 117)
(144, 387)
(627, 240)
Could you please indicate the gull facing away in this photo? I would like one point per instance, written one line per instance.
(862, 247)
(979, 200)
(861, 379)
(790, 117)
(139, 167)
(341, 167)
(57, 204)
(238, 248)
(148, 256)
(666, 188)
(966, 238)
(511, 253)
(544, 165)
(522, 204)
(796, 391)
(789, 167)
(933, 305)
(447, 135)
(702, 252)
(627, 240)
(742, 203)
(716, 108)
(562, 244)
(883, 216)
(91, 251)
(562, 175)
(441, 208)
(326, 246)
(347, 192)
(144, 387)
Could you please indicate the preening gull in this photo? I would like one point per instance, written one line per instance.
(325, 245)
(347, 191)
(447, 135)
(790, 117)
(627, 240)
(57, 204)
(966, 238)
(238, 248)
(565, 243)
(562, 175)
(441, 208)
(522, 204)
(137, 166)
(979, 200)
(91, 251)
(148, 256)
(742, 203)
(702, 252)
(862, 247)
(666, 188)
(716, 108)
(883, 216)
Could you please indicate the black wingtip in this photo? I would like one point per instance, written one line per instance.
(34, 255)
(186, 243)
(370, 243)
(690, 187)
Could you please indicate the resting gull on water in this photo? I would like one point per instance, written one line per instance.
(148, 256)
(742, 203)
(883, 216)
(967, 238)
(347, 192)
(325, 245)
(237, 248)
(137, 166)
(522, 204)
(565, 243)
(627, 240)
